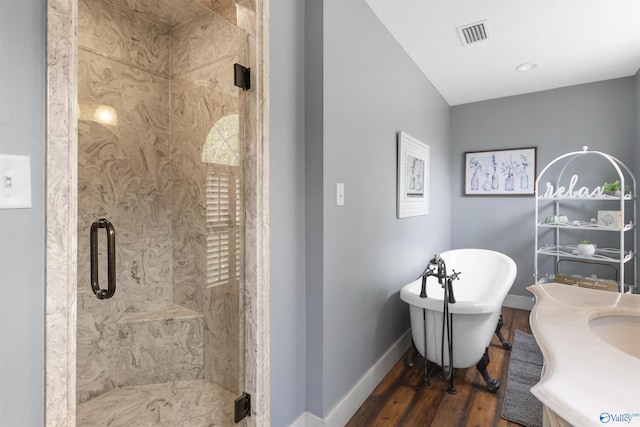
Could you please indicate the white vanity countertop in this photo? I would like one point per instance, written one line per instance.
(584, 378)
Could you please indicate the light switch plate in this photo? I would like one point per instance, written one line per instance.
(15, 182)
(339, 194)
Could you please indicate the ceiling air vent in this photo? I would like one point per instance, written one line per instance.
(473, 33)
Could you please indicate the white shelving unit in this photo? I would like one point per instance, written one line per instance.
(561, 193)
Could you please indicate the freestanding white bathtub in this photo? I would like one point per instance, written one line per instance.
(485, 279)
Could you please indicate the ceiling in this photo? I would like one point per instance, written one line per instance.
(571, 42)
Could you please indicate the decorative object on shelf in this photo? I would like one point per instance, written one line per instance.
(556, 220)
(571, 192)
(413, 176)
(508, 172)
(614, 188)
(590, 223)
(587, 282)
(611, 219)
(585, 248)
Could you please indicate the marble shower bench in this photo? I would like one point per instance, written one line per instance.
(159, 346)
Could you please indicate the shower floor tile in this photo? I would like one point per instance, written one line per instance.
(196, 403)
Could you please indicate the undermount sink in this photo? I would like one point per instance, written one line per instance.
(620, 331)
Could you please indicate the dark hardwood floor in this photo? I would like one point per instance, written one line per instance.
(401, 400)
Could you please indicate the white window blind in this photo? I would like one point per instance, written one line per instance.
(223, 216)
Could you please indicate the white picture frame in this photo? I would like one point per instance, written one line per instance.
(413, 176)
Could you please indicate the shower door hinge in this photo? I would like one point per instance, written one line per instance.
(242, 76)
(242, 407)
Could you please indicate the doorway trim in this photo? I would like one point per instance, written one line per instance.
(61, 222)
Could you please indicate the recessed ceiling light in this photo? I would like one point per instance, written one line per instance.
(527, 66)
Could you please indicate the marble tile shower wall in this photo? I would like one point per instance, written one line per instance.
(146, 177)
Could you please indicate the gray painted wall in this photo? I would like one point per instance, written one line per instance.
(600, 115)
(372, 90)
(287, 211)
(314, 164)
(22, 241)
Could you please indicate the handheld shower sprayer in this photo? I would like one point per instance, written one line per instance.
(442, 269)
(434, 260)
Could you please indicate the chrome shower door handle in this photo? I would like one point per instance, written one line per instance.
(111, 258)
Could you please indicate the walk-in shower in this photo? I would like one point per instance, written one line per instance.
(161, 140)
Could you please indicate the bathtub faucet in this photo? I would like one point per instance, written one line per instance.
(435, 263)
(438, 264)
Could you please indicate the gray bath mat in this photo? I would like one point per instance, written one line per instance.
(525, 365)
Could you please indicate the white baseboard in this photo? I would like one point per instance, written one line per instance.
(349, 404)
(313, 421)
(300, 421)
(518, 301)
(307, 419)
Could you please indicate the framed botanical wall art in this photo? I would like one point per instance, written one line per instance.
(509, 172)
(413, 177)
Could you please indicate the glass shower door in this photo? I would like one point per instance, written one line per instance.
(160, 134)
